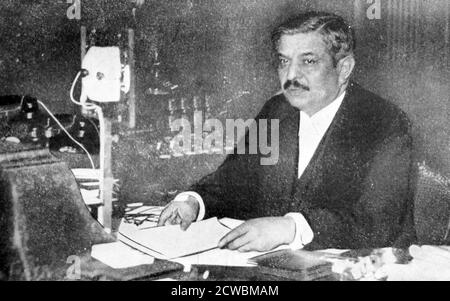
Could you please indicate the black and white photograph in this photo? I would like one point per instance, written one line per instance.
(239, 143)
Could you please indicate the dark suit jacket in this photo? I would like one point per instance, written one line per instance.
(355, 192)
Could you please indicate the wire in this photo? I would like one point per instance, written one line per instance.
(67, 133)
(98, 109)
(95, 126)
(102, 133)
(73, 87)
(86, 105)
(91, 106)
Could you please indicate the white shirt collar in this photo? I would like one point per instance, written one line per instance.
(323, 118)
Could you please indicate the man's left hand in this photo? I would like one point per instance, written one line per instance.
(261, 234)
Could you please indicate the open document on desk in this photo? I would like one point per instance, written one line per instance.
(171, 242)
(197, 245)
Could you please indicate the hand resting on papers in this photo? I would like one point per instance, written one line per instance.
(180, 213)
(261, 234)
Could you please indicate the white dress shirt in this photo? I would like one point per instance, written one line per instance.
(311, 131)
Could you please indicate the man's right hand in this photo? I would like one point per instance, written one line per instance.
(180, 212)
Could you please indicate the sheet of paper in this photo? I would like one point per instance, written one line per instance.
(416, 270)
(171, 242)
(90, 197)
(123, 238)
(120, 256)
(222, 257)
(86, 173)
(231, 222)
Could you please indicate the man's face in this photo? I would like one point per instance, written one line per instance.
(308, 77)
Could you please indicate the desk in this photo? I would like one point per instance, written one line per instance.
(94, 270)
(221, 273)
(355, 264)
(432, 265)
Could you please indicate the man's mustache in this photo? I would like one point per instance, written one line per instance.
(293, 83)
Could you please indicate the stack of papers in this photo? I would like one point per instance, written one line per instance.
(89, 183)
(86, 174)
(120, 256)
(223, 257)
(196, 246)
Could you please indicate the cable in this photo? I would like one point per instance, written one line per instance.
(90, 106)
(73, 87)
(67, 133)
(102, 131)
(95, 126)
(102, 134)
(86, 105)
(98, 109)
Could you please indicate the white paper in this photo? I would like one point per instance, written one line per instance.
(90, 197)
(231, 222)
(223, 257)
(86, 173)
(416, 270)
(170, 242)
(119, 256)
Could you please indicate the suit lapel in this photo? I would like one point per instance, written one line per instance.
(330, 169)
(276, 180)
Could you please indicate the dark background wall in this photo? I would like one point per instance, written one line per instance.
(222, 48)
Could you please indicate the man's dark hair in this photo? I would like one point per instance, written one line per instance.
(336, 33)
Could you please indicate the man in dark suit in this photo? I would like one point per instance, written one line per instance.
(343, 178)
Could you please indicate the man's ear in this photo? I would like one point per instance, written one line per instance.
(345, 67)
